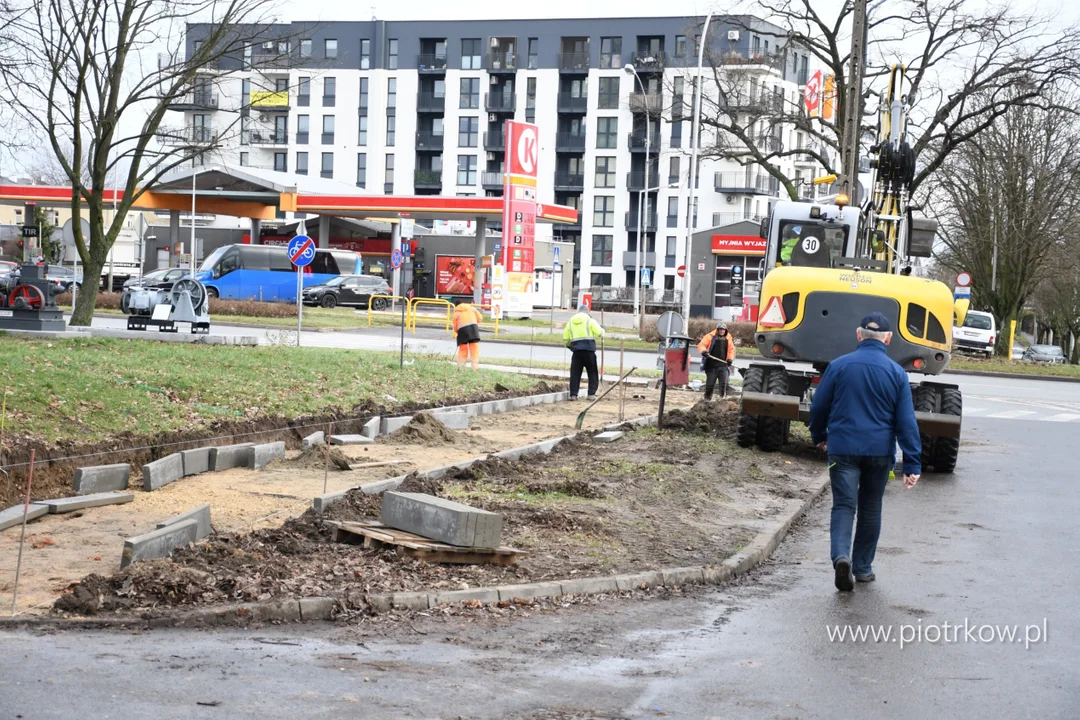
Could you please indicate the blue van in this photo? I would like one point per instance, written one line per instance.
(264, 272)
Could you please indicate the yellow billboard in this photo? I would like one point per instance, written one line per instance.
(269, 98)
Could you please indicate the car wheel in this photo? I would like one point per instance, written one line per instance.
(378, 304)
(212, 292)
(328, 300)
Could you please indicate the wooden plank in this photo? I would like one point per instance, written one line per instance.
(376, 534)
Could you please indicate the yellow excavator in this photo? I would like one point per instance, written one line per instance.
(828, 264)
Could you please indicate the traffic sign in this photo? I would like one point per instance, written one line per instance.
(555, 250)
(963, 279)
(812, 96)
(301, 250)
(396, 258)
(681, 271)
(646, 276)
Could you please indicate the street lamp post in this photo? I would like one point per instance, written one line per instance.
(695, 140)
(641, 201)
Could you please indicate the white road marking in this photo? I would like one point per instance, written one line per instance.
(974, 411)
(1011, 414)
(1063, 417)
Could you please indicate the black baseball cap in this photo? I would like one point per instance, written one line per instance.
(877, 322)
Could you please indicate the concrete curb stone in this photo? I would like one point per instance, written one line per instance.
(196, 461)
(227, 457)
(200, 515)
(316, 438)
(14, 515)
(82, 502)
(636, 581)
(371, 428)
(484, 595)
(159, 543)
(101, 478)
(266, 453)
(529, 590)
(162, 471)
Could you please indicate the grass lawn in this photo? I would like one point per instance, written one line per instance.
(94, 388)
(1015, 366)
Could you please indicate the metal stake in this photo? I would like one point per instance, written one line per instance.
(326, 467)
(22, 535)
(622, 386)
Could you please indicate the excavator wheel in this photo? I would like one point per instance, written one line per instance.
(774, 430)
(946, 449)
(926, 401)
(746, 434)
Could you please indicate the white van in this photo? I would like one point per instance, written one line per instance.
(977, 334)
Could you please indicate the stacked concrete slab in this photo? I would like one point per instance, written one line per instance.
(101, 478)
(444, 520)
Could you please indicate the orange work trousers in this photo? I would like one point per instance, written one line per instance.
(469, 352)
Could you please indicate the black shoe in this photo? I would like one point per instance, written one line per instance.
(845, 581)
(869, 577)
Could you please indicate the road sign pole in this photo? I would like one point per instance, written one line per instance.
(554, 267)
(299, 303)
(401, 360)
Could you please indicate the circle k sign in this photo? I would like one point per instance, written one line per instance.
(527, 150)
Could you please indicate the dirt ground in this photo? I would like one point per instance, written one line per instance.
(652, 499)
(61, 549)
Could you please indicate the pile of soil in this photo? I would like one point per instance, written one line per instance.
(423, 429)
(719, 418)
(314, 458)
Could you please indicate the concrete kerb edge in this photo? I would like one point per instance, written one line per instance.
(1008, 376)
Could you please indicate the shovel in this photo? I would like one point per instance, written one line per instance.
(581, 415)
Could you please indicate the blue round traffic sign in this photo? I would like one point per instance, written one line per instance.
(301, 250)
(396, 258)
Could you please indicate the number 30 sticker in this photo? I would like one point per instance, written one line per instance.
(811, 245)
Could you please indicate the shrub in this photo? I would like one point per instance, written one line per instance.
(105, 301)
(742, 333)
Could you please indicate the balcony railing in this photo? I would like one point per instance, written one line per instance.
(427, 179)
(267, 100)
(570, 142)
(184, 136)
(647, 61)
(636, 181)
(494, 140)
(630, 259)
(651, 103)
(574, 62)
(636, 141)
(500, 62)
(501, 102)
(567, 180)
(746, 182)
(632, 221)
(429, 141)
(568, 102)
(430, 102)
(431, 62)
(271, 137)
(757, 58)
(491, 180)
(166, 61)
(197, 100)
(720, 219)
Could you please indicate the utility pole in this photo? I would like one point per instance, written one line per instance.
(853, 103)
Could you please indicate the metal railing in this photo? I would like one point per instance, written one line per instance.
(569, 102)
(636, 180)
(199, 99)
(632, 221)
(645, 60)
(494, 140)
(500, 61)
(411, 314)
(574, 62)
(500, 102)
(569, 142)
(720, 219)
(491, 179)
(431, 62)
(565, 179)
(191, 135)
(428, 140)
(745, 182)
(651, 103)
(427, 178)
(430, 102)
(636, 141)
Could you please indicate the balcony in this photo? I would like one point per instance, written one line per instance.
(805, 158)
(175, 62)
(632, 221)
(636, 141)
(427, 179)
(570, 142)
(198, 100)
(429, 141)
(500, 62)
(566, 180)
(570, 103)
(635, 181)
(769, 143)
(270, 101)
(746, 182)
(495, 141)
(268, 137)
(491, 180)
(720, 219)
(646, 61)
(574, 62)
(431, 63)
(500, 102)
(630, 259)
(760, 59)
(651, 103)
(430, 102)
(191, 136)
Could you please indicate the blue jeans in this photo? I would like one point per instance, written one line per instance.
(858, 483)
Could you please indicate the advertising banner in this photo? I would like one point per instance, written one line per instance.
(454, 275)
(519, 214)
(738, 245)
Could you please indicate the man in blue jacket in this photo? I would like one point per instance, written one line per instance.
(861, 409)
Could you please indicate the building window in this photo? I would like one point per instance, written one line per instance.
(281, 162)
(301, 163)
(245, 129)
(680, 46)
(673, 212)
(607, 132)
(391, 93)
(611, 53)
(365, 54)
(673, 170)
(601, 250)
(392, 54)
(470, 93)
(303, 127)
(327, 165)
(466, 170)
(671, 244)
(329, 93)
(601, 279)
(530, 100)
(330, 48)
(361, 170)
(303, 91)
(677, 105)
(388, 177)
(391, 130)
(245, 92)
(470, 54)
(361, 138)
(676, 135)
(243, 160)
(281, 85)
(603, 211)
(468, 131)
(534, 53)
(328, 130)
(605, 172)
(363, 92)
(305, 48)
(609, 94)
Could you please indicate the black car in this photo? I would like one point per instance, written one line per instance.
(162, 276)
(1044, 353)
(62, 277)
(348, 290)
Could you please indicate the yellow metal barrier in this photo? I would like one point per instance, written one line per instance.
(430, 301)
(391, 298)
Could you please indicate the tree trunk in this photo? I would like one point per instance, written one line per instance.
(83, 312)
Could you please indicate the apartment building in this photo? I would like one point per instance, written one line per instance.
(419, 107)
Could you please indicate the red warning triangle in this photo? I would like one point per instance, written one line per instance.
(773, 315)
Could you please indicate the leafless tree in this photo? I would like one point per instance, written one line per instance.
(1031, 209)
(965, 66)
(84, 76)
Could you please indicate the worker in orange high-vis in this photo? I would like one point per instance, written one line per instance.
(717, 356)
(467, 328)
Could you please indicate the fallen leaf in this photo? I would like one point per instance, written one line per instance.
(43, 542)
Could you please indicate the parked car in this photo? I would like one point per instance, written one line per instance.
(977, 333)
(1044, 353)
(7, 266)
(162, 276)
(349, 290)
(62, 277)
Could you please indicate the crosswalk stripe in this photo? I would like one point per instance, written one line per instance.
(1062, 417)
(974, 411)
(1010, 414)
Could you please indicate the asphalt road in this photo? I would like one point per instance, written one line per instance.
(994, 544)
